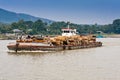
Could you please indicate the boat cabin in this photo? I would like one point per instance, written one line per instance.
(68, 32)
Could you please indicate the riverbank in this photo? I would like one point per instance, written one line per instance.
(6, 37)
(111, 35)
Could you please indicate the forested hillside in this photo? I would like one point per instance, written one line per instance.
(39, 27)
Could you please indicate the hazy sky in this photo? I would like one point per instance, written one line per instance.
(76, 11)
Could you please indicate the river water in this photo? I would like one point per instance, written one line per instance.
(102, 63)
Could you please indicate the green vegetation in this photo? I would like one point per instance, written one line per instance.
(39, 27)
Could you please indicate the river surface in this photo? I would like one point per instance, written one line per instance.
(102, 63)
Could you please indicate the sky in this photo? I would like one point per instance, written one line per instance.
(74, 11)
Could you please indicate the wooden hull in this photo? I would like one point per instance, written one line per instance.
(46, 47)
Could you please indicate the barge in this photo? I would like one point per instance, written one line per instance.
(69, 40)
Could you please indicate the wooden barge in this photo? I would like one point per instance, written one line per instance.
(38, 47)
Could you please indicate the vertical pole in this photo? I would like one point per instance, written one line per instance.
(16, 48)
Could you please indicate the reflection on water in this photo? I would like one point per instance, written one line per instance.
(100, 63)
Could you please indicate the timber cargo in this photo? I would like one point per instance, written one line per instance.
(69, 40)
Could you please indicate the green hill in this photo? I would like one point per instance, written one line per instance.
(9, 17)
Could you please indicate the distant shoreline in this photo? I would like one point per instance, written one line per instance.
(112, 35)
(104, 35)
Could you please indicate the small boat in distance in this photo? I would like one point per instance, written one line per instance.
(99, 34)
(69, 40)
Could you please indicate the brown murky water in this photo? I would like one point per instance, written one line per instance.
(102, 63)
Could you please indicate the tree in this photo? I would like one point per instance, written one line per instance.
(39, 27)
(116, 26)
